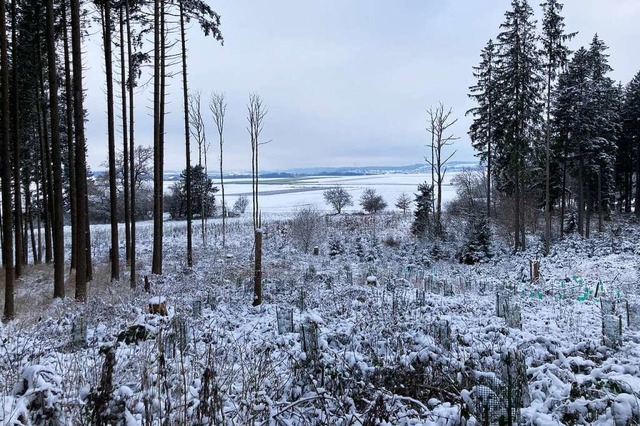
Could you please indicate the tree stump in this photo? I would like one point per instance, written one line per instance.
(158, 306)
(534, 270)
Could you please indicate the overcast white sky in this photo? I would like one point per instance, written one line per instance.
(347, 83)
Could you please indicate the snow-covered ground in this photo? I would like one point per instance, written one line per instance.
(285, 195)
(376, 329)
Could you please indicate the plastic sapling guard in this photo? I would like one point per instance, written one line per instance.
(633, 314)
(196, 308)
(79, 331)
(181, 332)
(513, 316)
(310, 340)
(612, 331)
(502, 303)
(284, 319)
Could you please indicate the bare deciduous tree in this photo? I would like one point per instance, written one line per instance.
(241, 204)
(338, 197)
(305, 227)
(440, 122)
(372, 202)
(198, 132)
(256, 113)
(218, 106)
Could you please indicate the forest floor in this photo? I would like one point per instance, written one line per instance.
(377, 329)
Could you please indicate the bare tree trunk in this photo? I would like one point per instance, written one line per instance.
(132, 257)
(45, 160)
(218, 108)
(489, 177)
(113, 191)
(440, 123)
(185, 94)
(255, 118)
(637, 203)
(257, 270)
(83, 253)
(517, 202)
(70, 144)
(29, 217)
(125, 143)
(564, 189)
(587, 227)
(15, 117)
(156, 267)
(523, 223)
(600, 212)
(5, 151)
(56, 158)
(547, 205)
(433, 178)
(39, 257)
(581, 199)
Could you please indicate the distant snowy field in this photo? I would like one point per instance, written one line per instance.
(284, 195)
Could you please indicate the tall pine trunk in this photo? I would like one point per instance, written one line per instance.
(185, 95)
(564, 190)
(15, 135)
(113, 191)
(70, 145)
(132, 180)
(125, 143)
(45, 162)
(56, 159)
(5, 152)
(158, 136)
(637, 203)
(547, 204)
(83, 253)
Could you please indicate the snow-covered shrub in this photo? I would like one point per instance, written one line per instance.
(37, 397)
(305, 227)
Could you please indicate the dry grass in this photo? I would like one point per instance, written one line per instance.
(34, 292)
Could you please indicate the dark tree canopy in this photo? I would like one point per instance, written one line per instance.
(203, 197)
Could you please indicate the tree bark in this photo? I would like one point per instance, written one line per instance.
(132, 258)
(257, 270)
(159, 91)
(46, 173)
(113, 191)
(15, 135)
(56, 159)
(185, 95)
(581, 198)
(125, 143)
(70, 145)
(83, 253)
(564, 189)
(5, 151)
(547, 204)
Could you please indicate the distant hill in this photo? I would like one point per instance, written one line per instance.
(173, 175)
(338, 171)
(376, 170)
